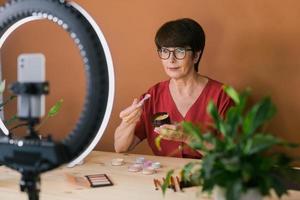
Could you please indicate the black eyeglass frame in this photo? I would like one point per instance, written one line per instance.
(173, 51)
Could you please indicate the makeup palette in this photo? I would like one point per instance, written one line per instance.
(99, 180)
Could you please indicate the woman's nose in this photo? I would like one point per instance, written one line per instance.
(172, 57)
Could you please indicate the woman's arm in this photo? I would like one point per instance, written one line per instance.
(125, 139)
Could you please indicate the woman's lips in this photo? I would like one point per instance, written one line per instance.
(173, 68)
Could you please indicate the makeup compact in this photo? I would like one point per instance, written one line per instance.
(160, 118)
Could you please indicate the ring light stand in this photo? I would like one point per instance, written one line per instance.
(32, 156)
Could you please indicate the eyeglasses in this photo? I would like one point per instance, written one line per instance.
(178, 52)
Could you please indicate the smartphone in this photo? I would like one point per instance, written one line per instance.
(31, 69)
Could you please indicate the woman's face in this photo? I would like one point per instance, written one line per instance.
(179, 63)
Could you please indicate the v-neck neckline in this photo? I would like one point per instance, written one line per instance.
(195, 102)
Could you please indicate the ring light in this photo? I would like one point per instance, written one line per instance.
(100, 85)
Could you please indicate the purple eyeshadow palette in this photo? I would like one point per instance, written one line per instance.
(99, 180)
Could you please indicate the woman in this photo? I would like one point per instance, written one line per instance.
(184, 96)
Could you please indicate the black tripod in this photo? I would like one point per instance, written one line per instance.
(30, 183)
(30, 179)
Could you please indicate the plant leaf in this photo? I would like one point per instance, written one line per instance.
(51, 113)
(55, 109)
(234, 190)
(278, 186)
(195, 135)
(187, 171)
(2, 86)
(260, 143)
(286, 175)
(11, 120)
(258, 115)
(11, 97)
(192, 130)
(157, 142)
(167, 181)
(213, 111)
(208, 164)
(232, 93)
(233, 120)
(231, 164)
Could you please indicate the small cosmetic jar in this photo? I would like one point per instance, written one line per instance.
(135, 168)
(147, 163)
(156, 165)
(148, 171)
(160, 118)
(140, 160)
(117, 162)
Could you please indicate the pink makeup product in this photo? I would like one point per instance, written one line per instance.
(148, 171)
(147, 163)
(135, 168)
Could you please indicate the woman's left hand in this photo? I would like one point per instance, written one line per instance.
(172, 132)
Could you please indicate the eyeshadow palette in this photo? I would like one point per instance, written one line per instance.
(99, 180)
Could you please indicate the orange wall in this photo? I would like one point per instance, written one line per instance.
(249, 43)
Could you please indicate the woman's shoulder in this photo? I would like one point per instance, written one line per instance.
(159, 87)
(214, 85)
(214, 88)
(215, 91)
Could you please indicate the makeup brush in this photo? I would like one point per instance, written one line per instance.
(141, 102)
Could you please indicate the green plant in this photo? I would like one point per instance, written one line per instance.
(51, 113)
(241, 158)
(6, 101)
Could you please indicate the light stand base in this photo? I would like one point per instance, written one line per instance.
(30, 183)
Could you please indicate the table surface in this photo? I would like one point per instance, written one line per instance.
(127, 185)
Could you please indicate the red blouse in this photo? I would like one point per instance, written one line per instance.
(162, 101)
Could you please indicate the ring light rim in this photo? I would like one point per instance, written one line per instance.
(110, 69)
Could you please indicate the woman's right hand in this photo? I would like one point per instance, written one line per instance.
(131, 114)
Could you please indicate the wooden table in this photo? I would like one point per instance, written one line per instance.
(127, 185)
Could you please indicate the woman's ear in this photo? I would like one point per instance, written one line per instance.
(197, 56)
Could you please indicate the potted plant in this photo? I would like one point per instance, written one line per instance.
(238, 164)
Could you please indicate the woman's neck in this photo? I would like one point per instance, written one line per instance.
(186, 85)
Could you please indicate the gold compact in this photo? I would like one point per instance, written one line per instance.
(160, 118)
